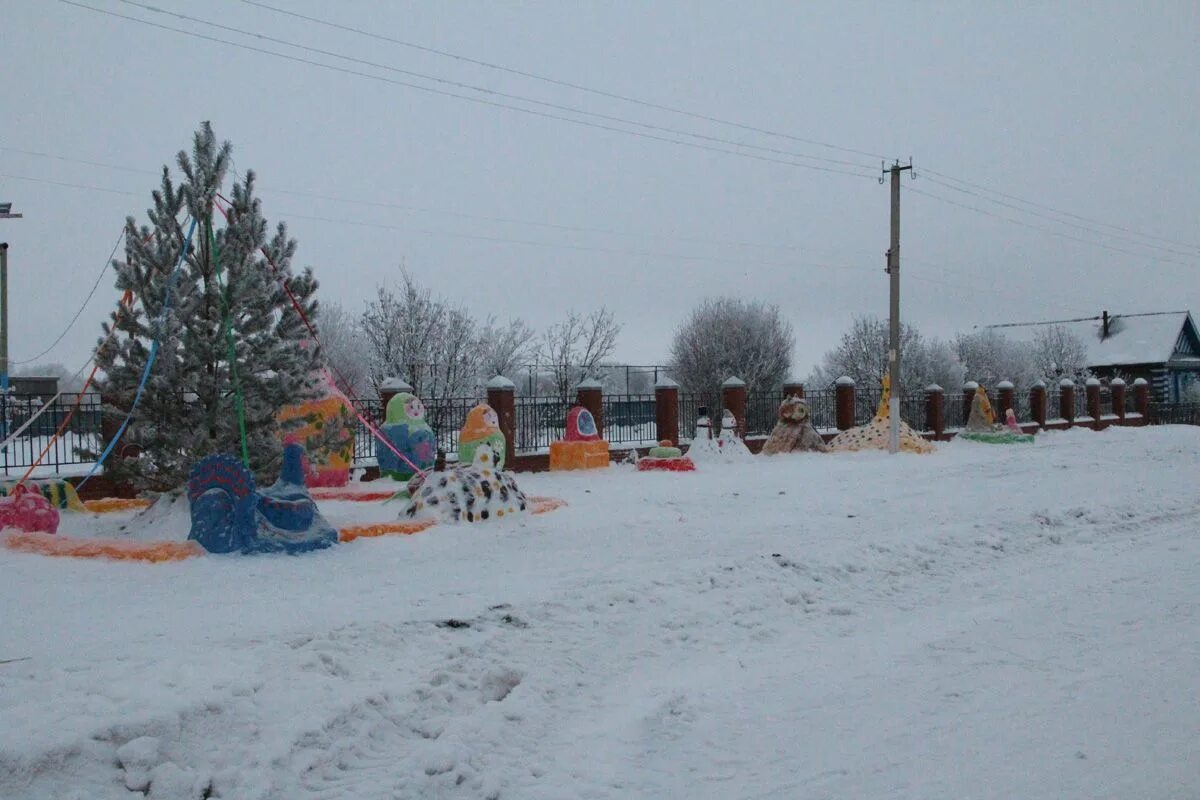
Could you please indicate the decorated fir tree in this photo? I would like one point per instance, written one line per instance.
(232, 350)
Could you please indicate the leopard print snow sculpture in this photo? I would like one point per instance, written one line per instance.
(874, 435)
(466, 493)
(794, 430)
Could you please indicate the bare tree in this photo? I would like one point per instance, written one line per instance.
(574, 348)
(346, 348)
(504, 348)
(1058, 353)
(728, 336)
(862, 355)
(989, 357)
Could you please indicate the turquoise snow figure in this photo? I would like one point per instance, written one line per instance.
(405, 427)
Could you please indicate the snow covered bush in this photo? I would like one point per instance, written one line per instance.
(862, 354)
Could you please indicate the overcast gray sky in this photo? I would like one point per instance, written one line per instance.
(1087, 108)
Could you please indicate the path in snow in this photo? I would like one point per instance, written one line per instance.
(984, 622)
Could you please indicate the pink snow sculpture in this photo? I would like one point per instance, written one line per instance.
(28, 511)
(1010, 419)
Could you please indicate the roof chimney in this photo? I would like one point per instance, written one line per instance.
(1104, 329)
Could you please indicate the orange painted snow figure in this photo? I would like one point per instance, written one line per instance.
(28, 511)
(114, 549)
(874, 435)
(581, 447)
(327, 434)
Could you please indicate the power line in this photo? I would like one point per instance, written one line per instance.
(565, 84)
(1076, 225)
(479, 100)
(493, 92)
(69, 185)
(1059, 211)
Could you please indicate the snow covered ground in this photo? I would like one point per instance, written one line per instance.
(985, 622)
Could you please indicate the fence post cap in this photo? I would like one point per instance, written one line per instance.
(590, 383)
(733, 382)
(1039, 384)
(1004, 385)
(396, 385)
(501, 382)
(934, 388)
(1117, 382)
(970, 386)
(665, 383)
(1066, 383)
(1141, 382)
(845, 380)
(1093, 382)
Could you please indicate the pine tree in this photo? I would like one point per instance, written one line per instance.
(189, 408)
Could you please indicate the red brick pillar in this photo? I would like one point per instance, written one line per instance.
(1006, 398)
(1092, 387)
(733, 399)
(1141, 397)
(389, 389)
(968, 397)
(1066, 400)
(1118, 397)
(793, 389)
(935, 409)
(666, 410)
(845, 403)
(501, 396)
(590, 395)
(1037, 403)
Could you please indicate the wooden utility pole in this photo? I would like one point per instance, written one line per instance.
(893, 271)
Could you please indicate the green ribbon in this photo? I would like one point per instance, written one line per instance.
(223, 290)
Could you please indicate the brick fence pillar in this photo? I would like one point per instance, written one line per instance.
(793, 389)
(1118, 397)
(1092, 387)
(1037, 403)
(845, 403)
(389, 389)
(1006, 398)
(968, 398)
(590, 395)
(733, 398)
(666, 410)
(501, 396)
(1141, 397)
(935, 409)
(1066, 400)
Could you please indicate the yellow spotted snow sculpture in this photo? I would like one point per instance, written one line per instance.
(874, 435)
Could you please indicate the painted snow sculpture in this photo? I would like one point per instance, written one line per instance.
(405, 427)
(230, 516)
(28, 511)
(666, 458)
(729, 441)
(59, 493)
(482, 427)
(874, 435)
(981, 424)
(325, 428)
(468, 492)
(794, 431)
(1010, 421)
(581, 447)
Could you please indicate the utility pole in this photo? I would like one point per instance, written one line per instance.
(893, 271)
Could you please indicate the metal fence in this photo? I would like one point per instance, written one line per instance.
(1174, 414)
(83, 432)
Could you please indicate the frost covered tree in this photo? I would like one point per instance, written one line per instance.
(989, 357)
(505, 348)
(862, 354)
(1058, 353)
(225, 288)
(728, 336)
(574, 348)
(344, 345)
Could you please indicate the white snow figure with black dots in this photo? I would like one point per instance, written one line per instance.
(472, 492)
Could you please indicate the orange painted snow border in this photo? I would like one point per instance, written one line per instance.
(384, 529)
(53, 545)
(357, 497)
(544, 505)
(107, 505)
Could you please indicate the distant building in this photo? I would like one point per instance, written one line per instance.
(1162, 347)
(39, 387)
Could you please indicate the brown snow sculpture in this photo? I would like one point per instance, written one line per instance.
(794, 430)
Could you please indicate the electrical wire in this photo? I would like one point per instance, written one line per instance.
(565, 84)
(479, 100)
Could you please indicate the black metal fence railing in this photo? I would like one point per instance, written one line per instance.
(690, 404)
(1174, 414)
(630, 419)
(83, 432)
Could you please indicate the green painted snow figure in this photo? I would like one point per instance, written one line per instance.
(405, 427)
(482, 427)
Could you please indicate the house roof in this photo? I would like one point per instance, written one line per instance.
(1133, 338)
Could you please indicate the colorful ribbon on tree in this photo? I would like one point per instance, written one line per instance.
(238, 399)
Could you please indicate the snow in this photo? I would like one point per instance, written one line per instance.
(805, 626)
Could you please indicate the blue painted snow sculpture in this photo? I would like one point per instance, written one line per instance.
(230, 516)
(405, 427)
